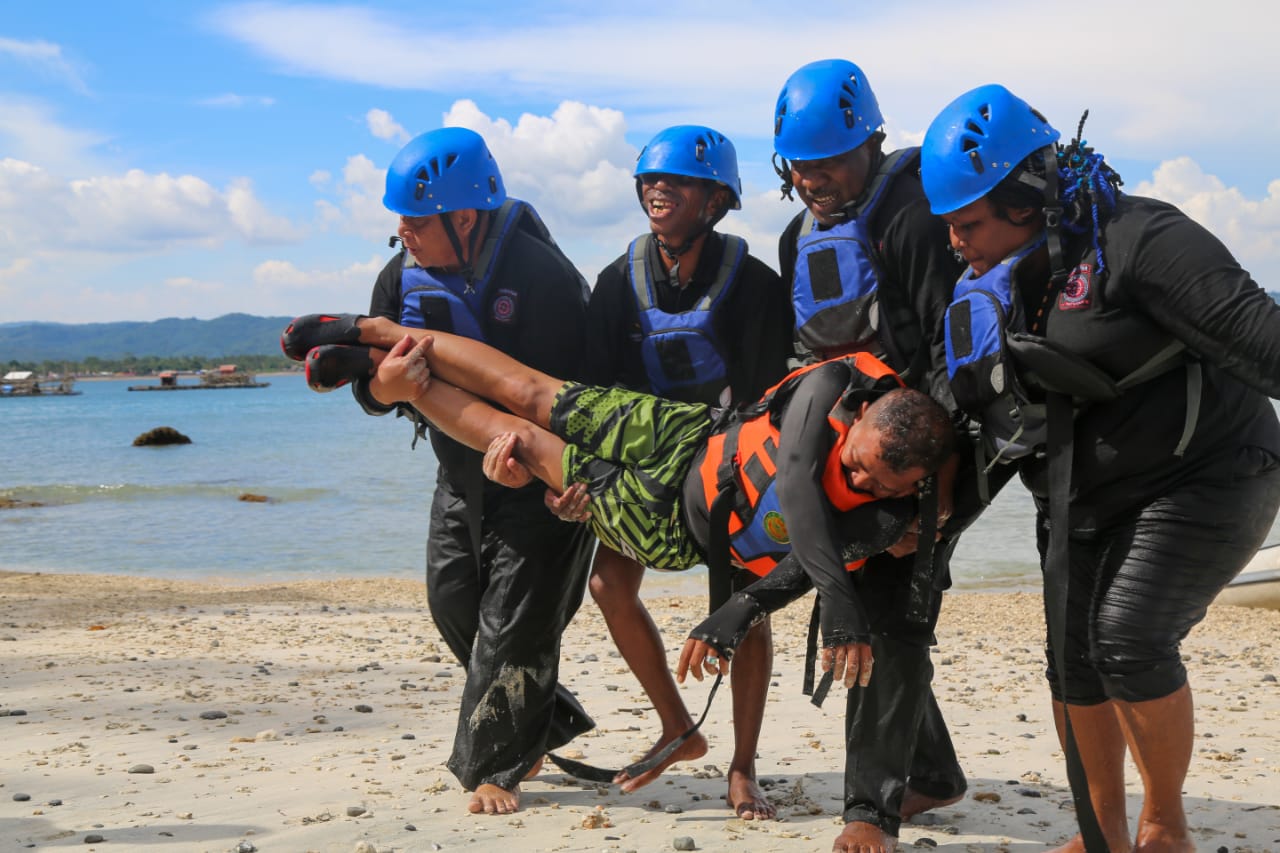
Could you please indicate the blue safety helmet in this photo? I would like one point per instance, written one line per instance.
(443, 170)
(824, 109)
(696, 152)
(976, 142)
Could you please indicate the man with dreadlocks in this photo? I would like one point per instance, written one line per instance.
(688, 314)
(869, 270)
(1139, 357)
(504, 575)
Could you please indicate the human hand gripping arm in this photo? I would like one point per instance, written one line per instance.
(403, 376)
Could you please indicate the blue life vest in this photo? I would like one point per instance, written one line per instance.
(837, 274)
(449, 302)
(682, 356)
(1000, 374)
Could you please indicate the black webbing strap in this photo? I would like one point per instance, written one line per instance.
(923, 571)
(1053, 218)
(719, 559)
(600, 774)
(817, 695)
(1057, 570)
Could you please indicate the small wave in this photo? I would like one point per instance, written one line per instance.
(62, 494)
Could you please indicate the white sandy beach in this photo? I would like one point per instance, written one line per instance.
(317, 716)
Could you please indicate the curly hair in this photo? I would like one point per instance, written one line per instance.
(915, 431)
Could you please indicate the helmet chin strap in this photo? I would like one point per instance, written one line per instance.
(1052, 213)
(706, 225)
(464, 259)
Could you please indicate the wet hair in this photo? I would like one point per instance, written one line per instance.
(915, 431)
(1088, 189)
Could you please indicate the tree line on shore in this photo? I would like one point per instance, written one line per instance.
(150, 365)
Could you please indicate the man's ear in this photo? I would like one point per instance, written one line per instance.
(464, 221)
(862, 410)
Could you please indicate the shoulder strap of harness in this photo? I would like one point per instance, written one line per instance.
(735, 249)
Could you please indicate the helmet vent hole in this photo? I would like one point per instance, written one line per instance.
(985, 112)
(493, 184)
(974, 128)
(453, 158)
(976, 160)
(419, 191)
(777, 124)
(1038, 115)
(700, 151)
(848, 119)
(421, 174)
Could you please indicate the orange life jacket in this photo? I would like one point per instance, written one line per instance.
(745, 457)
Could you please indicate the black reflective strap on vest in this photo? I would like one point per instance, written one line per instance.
(1057, 571)
(591, 773)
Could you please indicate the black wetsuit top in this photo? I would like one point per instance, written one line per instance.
(1165, 275)
(753, 323)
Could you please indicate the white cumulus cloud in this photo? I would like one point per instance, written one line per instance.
(1250, 228)
(383, 126)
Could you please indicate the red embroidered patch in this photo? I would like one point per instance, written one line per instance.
(504, 306)
(1075, 293)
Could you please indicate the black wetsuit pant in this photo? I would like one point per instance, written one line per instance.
(1140, 583)
(894, 731)
(502, 614)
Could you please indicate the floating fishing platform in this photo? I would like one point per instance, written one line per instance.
(24, 383)
(226, 376)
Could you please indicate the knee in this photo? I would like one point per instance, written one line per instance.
(1134, 673)
(600, 589)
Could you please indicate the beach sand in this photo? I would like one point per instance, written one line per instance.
(318, 716)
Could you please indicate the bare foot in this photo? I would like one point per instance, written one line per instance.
(862, 837)
(1076, 845)
(535, 769)
(694, 747)
(490, 799)
(747, 799)
(1165, 839)
(914, 803)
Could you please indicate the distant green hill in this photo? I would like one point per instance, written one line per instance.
(231, 334)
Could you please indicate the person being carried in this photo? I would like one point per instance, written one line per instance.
(689, 314)
(819, 468)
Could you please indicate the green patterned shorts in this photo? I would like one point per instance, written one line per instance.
(633, 451)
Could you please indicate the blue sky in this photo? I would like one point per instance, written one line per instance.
(162, 159)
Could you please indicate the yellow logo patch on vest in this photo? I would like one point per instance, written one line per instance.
(776, 527)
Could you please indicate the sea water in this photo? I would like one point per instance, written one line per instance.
(346, 494)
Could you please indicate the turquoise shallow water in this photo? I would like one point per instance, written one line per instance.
(347, 495)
